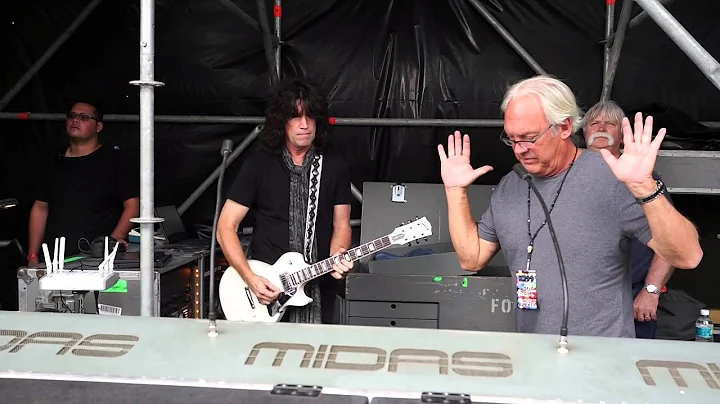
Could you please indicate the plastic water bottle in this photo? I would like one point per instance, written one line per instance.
(704, 327)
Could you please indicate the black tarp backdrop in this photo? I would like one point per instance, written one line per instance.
(404, 58)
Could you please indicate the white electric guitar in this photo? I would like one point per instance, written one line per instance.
(290, 274)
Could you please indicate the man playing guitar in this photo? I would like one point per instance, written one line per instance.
(299, 192)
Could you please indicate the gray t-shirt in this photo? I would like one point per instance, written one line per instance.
(594, 217)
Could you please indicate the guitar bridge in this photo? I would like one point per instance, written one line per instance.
(284, 281)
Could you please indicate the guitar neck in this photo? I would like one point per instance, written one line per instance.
(326, 266)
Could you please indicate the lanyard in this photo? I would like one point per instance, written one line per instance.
(557, 194)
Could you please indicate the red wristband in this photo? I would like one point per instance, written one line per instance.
(32, 255)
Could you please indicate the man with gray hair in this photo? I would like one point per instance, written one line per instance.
(601, 126)
(649, 273)
(595, 200)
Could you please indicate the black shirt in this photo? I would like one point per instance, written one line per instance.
(263, 185)
(85, 195)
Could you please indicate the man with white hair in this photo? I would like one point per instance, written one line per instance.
(649, 273)
(595, 201)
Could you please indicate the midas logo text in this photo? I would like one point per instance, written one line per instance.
(674, 368)
(374, 359)
(96, 345)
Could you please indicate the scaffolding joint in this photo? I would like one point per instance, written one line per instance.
(144, 220)
(147, 83)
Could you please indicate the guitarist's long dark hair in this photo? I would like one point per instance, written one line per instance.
(283, 106)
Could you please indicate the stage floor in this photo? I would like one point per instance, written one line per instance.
(348, 360)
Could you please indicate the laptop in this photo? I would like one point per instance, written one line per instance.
(174, 230)
(129, 260)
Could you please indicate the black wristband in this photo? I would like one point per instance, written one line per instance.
(659, 191)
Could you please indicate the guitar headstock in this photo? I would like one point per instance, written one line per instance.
(412, 231)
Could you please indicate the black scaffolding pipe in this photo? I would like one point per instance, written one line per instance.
(240, 13)
(48, 53)
(216, 173)
(505, 34)
(609, 33)
(614, 57)
(267, 42)
(257, 120)
(277, 13)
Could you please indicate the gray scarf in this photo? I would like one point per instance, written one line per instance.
(299, 191)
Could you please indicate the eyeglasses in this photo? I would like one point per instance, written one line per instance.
(82, 117)
(523, 143)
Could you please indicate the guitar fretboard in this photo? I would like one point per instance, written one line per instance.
(326, 265)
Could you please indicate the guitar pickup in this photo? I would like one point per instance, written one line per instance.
(249, 297)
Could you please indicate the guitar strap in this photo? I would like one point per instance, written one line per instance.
(305, 178)
(313, 200)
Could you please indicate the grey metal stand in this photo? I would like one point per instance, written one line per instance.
(147, 217)
(682, 38)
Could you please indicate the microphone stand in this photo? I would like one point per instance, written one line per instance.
(524, 175)
(225, 151)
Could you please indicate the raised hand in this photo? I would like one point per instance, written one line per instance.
(455, 166)
(635, 166)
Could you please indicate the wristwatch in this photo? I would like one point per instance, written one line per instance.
(652, 289)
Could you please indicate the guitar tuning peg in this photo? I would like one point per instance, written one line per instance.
(417, 218)
(402, 223)
(410, 244)
(425, 238)
(417, 241)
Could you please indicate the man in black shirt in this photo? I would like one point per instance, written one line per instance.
(279, 183)
(88, 191)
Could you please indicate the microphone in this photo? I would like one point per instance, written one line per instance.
(521, 172)
(227, 145)
(225, 151)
